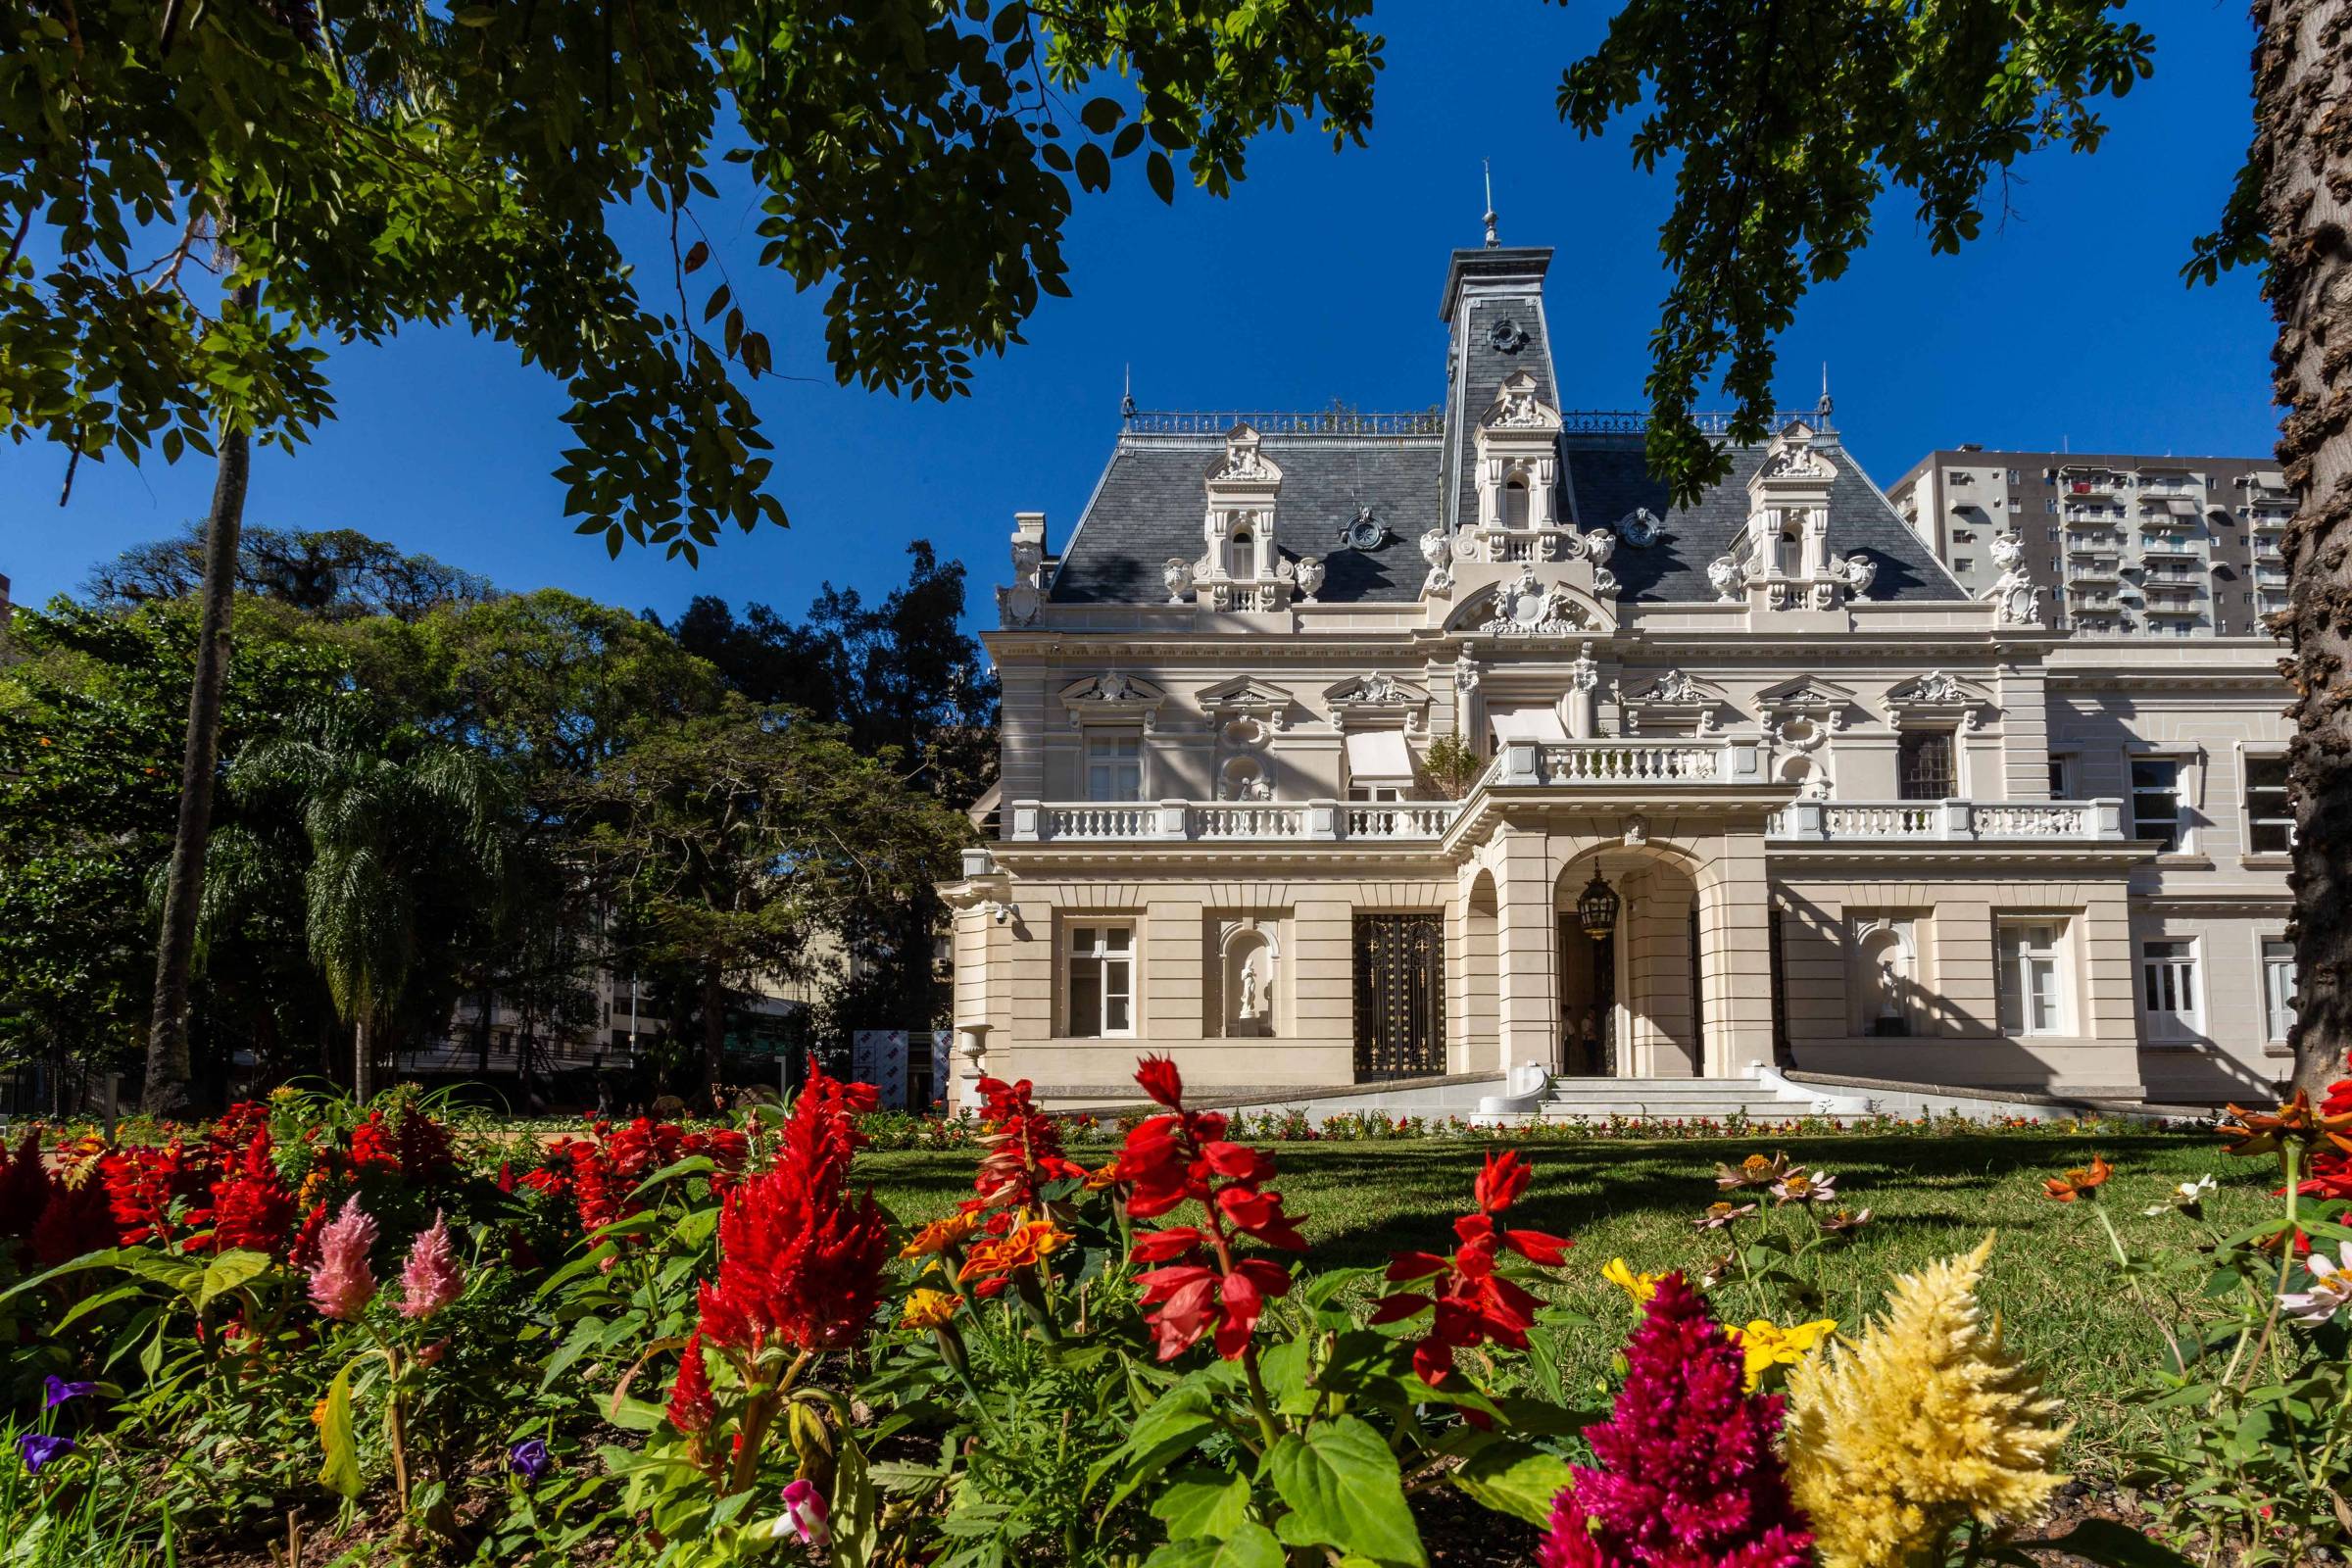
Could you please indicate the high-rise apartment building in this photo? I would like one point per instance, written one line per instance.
(2132, 546)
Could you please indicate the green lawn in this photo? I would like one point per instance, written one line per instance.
(2053, 1281)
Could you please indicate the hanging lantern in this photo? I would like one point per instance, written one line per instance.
(1596, 908)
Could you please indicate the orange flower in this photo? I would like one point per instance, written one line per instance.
(2255, 1131)
(1107, 1176)
(940, 1235)
(1025, 1248)
(928, 1309)
(2078, 1183)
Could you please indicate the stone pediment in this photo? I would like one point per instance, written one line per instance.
(1376, 693)
(1937, 691)
(1241, 694)
(1517, 407)
(1675, 689)
(1113, 696)
(1805, 692)
(1242, 463)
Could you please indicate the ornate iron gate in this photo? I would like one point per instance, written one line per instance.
(1399, 996)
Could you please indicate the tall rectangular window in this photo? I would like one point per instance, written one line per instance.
(1115, 765)
(2156, 801)
(1102, 1001)
(2270, 819)
(1924, 766)
(2061, 778)
(2168, 990)
(2033, 977)
(2277, 989)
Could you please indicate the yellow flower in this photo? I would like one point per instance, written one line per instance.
(1640, 1287)
(1766, 1344)
(1927, 1421)
(940, 1235)
(928, 1309)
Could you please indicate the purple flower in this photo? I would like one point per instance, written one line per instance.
(60, 1391)
(529, 1461)
(804, 1513)
(37, 1448)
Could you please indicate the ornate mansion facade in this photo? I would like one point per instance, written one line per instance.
(1343, 749)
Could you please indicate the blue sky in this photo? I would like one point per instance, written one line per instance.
(1318, 279)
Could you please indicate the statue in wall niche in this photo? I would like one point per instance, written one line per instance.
(1250, 984)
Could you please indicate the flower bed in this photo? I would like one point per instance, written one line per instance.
(309, 1329)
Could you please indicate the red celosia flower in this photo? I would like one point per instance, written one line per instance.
(24, 1185)
(251, 1207)
(75, 1219)
(423, 1144)
(1184, 1156)
(692, 1409)
(1686, 1473)
(1025, 1148)
(800, 1265)
(1469, 1304)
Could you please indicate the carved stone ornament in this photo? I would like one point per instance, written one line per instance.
(1506, 336)
(1585, 673)
(1675, 687)
(1019, 605)
(1723, 576)
(1794, 462)
(1310, 577)
(1936, 686)
(1636, 830)
(1243, 461)
(1377, 688)
(1363, 531)
(1860, 572)
(1639, 528)
(1028, 563)
(1525, 607)
(1467, 675)
(1598, 546)
(1519, 409)
(1176, 575)
(1438, 550)
(2016, 597)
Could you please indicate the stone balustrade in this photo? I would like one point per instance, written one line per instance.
(1613, 764)
(1227, 821)
(1947, 821)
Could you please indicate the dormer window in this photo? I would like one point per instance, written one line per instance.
(1243, 560)
(1514, 502)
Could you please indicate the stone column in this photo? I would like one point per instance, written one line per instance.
(1735, 967)
(1526, 931)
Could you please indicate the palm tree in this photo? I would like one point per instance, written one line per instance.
(385, 813)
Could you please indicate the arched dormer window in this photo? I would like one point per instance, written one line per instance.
(1240, 562)
(1515, 502)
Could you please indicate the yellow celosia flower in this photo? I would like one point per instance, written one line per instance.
(1640, 1287)
(1765, 1344)
(1894, 1441)
(928, 1309)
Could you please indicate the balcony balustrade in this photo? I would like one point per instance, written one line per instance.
(1946, 821)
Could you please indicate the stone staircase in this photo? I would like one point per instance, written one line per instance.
(1669, 1100)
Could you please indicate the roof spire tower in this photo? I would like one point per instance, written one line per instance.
(1494, 240)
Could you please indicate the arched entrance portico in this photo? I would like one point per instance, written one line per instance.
(1630, 1002)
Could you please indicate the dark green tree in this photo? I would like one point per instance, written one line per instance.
(195, 198)
(338, 573)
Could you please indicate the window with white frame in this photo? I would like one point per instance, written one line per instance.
(2277, 989)
(2156, 799)
(2062, 776)
(2168, 990)
(1101, 971)
(1114, 765)
(2270, 819)
(2034, 976)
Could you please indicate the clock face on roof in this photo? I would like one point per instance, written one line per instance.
(1363, 531)
(1507, 336)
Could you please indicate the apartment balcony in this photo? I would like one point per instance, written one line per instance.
(1947, 822)
(2091, 544)
(2269, 521)
(2168, 549)
(2095, 571)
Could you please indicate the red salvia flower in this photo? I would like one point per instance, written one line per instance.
(1025, 1148)
(692, 1409)
(304, 1253)
(1686, 1473)
(371, 1145)
(251, 1207)
(142, 1183)
(1203, 1288)
(1469, 1304)
(800, 1265)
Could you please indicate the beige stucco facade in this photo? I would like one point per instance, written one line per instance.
(1847, 816)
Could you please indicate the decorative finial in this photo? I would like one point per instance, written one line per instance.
(1127, 393)
(1823, 407)
(1493, 240)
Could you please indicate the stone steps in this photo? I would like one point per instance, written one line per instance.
(1666, 1100)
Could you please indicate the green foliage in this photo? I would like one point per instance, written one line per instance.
(353, 170)
(1784, 123)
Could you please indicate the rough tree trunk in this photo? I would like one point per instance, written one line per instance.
(363, 1061)
(168, 1069)
(714, 1025)
(2303, 145)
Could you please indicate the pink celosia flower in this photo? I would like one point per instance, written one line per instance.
(341, 1286)
(1687, 1473)
(804, 1511)
(432, 1278)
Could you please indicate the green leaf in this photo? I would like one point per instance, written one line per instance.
(340, 1473)
(1201, 1501)
(1162, 176)
(1170, 1424)
(1247, 1545)
(229, 1271)
(1513, 1478)
(1343, 1487)
(1099, 115)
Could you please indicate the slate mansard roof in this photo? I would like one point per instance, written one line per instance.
(1147, 507)
(1416, 473)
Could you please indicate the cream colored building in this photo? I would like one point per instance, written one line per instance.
(1834, 809)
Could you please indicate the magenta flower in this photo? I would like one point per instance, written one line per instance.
(341, 1286)
(804, 1511)
(432, 1278)
(1687, 1473)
